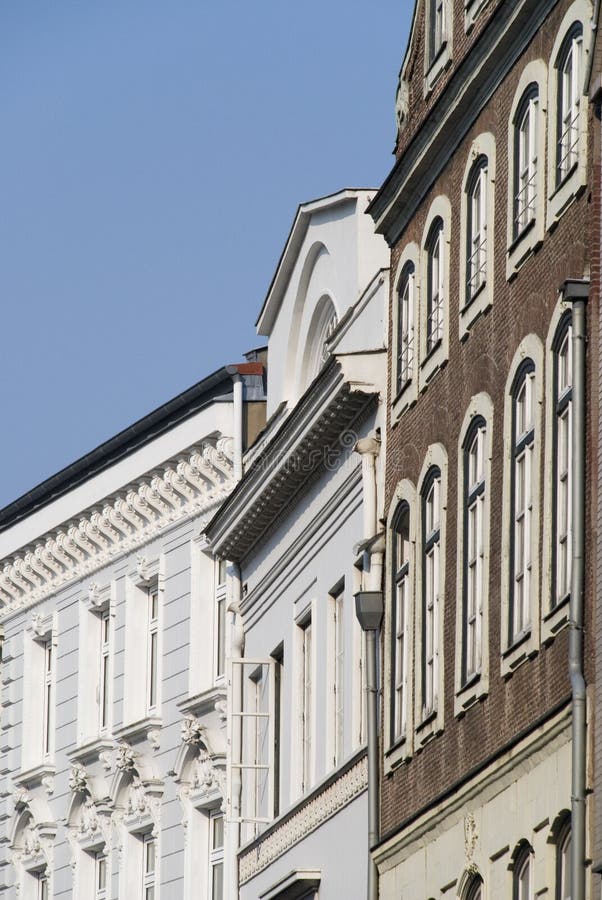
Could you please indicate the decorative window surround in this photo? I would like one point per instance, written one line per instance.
(554, 616)
(96, 613)
(405, 493)
(205, 702)
(562, 193)
(100, 749)
(324, 801)
(146, 729)
(144, 593)
(523, 245)
(434, 359)
(471, 307)
(513, 656)
(409, 391)
(466, 694)
(438, 51)
(427, 726)
(40, 646)
(192, 483)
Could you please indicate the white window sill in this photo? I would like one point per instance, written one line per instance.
(398, 753)
(138, 731)
(435, 360)
(91, 750)
(472, 8)
(430, 726)
(566, 192)
(437, 67)
(471, 693)
(36, 776)
(404, 399)
(527, 242)
(523, 648)
(477, 306)
(204, 702)
(555, 620)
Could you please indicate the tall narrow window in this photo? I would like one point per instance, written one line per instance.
(474, 548)
(216, 855)
(475, 891)
(104, 675)
(435, 310)
(100, 876)
(569, 94)
(525, 160)
(523, 876)
(306, 704)
(523, 438)
(153, 648)
(399, 631)
(437, 35)
(430, 591)
(220, 618)
(336, 679)
(48, 698)
(563, 863)
(42, 886)
(148, 867)
(405, 330)
(563, 393)
(476, 251)
(278, 657)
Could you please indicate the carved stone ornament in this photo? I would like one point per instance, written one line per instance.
(142, 567)
(125, 758)
(89, 823)
(20, 797)
(37, 625)
(32, 845)
(193, 732)
(206, 777)
(471, 837)
(94, 594)
(402, 103)
(78, 779)
(48, 783)
(221, 708)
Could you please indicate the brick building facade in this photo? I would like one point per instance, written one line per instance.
(488, 212)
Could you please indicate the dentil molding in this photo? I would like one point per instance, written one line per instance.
(192, 482)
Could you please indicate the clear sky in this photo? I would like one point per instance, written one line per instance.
(153, 156)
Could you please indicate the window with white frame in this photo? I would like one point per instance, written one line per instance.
(431, 543)
(523, 875)
(336, 672)
(306, 704)
(476, 232)
(48, 698)
(100, 875)
(399, 622)
(438, 27)
(561, 457)
(216, 855)
(563, 862)
(220, 618)
(149, 848)
(525, 160)
(569, 89)
(435, 294)
(405, 326)
(521, 547)
(474, 538)
(43, 893)
(475, 889)
(105, 672)
(152, 682)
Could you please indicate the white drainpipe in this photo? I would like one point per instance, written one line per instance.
(234, 700)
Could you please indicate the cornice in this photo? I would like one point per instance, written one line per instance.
(192, 483)
(313, 438)
(472, 85)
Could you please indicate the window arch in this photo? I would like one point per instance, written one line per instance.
(431, 588)
(435, 286)
(526, 160)
(474, 538)
(568, 95)
(522, 873)
(475, 889)
(563, 859)
(323, 324)
(400, 615)
(561, 456)
(522, 500)
(405, 325)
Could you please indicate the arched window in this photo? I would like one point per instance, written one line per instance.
(569, 88)
(523, 440)
(405, 326)
(562, 454)
(476, 232)
(475, 889)
(563, 862)
(435, 296)
(523, 874)
(474, 547)
(431, 548)
(400, 614)
(525, 160)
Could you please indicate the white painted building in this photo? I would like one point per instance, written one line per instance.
(112, 735)
(298, 532)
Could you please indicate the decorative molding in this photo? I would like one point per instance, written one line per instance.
(125, 758)
(311, 813)
(471, 838)
(193, 731)
(78, 779)
(192, 482)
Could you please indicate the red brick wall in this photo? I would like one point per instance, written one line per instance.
(482, 363)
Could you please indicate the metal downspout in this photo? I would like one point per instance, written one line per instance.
(237, 411)
(235, 702)
(576, 292)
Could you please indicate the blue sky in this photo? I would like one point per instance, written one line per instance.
(153, 156)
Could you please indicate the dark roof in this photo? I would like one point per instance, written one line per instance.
(121, 445)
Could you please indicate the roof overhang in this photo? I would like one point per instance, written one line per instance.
(318, 431)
